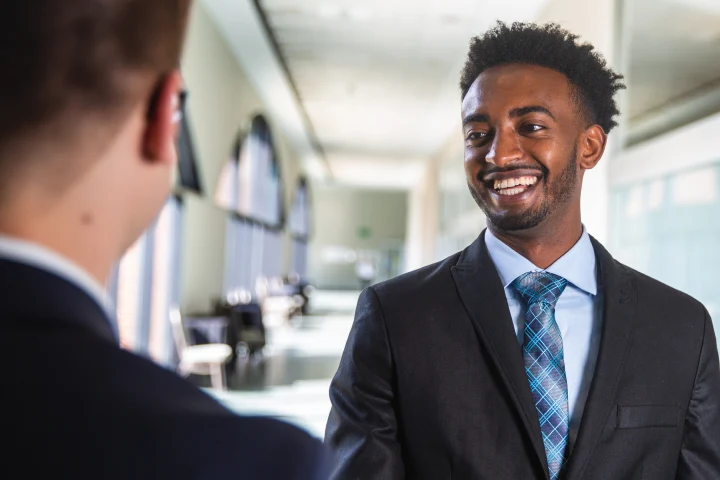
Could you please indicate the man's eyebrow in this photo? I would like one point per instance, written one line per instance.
(515, 113)
(475, 117)
(522, 111)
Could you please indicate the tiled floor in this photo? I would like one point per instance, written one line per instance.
(292, 380)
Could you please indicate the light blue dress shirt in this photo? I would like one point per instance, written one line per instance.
(578, 312)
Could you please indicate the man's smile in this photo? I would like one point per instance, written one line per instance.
(512, 186)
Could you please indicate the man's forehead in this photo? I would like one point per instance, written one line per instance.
(516, 85)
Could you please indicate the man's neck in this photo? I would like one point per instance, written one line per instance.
(542, 246)
(70, 239)
(71, 205)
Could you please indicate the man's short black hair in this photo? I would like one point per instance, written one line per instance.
(552, 47)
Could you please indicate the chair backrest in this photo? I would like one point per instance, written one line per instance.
(178, 330)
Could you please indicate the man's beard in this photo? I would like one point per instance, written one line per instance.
(554, 196)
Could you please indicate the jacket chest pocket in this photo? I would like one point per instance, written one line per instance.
(647, 416)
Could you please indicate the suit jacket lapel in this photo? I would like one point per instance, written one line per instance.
(483, 296)
(619, 310)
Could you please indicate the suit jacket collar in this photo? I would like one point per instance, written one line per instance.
(31, 297)
(482, 294)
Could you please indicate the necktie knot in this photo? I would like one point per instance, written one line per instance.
(543, 287)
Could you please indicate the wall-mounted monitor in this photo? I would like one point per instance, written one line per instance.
(189, 175)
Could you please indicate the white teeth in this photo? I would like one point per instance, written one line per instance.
(514, 182)
(512, 191)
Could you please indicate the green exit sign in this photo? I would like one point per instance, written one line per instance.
(364, 232)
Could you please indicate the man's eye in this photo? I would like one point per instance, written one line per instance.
(477, 135)
(533, 127)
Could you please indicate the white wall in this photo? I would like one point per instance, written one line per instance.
(422, 220)
(338, 214)
(221, 102)
(425, 217)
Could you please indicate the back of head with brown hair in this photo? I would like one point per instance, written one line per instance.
(64, 61)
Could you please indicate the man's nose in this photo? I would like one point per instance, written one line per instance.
(504, 149)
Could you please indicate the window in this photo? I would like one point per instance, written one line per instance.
(260, 194)
(146, 285)
(250, 188)
(299, 226)
(129, 294)
(165, 290)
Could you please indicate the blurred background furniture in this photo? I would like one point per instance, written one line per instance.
(205, 359)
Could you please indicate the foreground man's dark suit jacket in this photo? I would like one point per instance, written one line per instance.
(76, 406)
(432, 383)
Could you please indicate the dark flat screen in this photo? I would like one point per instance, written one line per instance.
(189, 177)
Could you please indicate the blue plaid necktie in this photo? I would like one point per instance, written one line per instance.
(545, 363)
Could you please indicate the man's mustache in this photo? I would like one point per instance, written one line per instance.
(511, 168)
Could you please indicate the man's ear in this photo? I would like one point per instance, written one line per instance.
(162, 122)
(593, 146)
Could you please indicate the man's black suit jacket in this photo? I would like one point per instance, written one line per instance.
(432, 384)
(74, 405)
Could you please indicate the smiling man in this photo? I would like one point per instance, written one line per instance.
(532, 354)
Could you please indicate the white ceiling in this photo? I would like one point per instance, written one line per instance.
(674, 50)
(379, 78)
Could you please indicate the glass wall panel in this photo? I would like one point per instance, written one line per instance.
(668, 228)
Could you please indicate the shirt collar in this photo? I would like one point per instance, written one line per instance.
(577, 266)
(37, 256)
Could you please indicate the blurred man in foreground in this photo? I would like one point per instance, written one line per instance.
(532, 354)
(88, 118)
